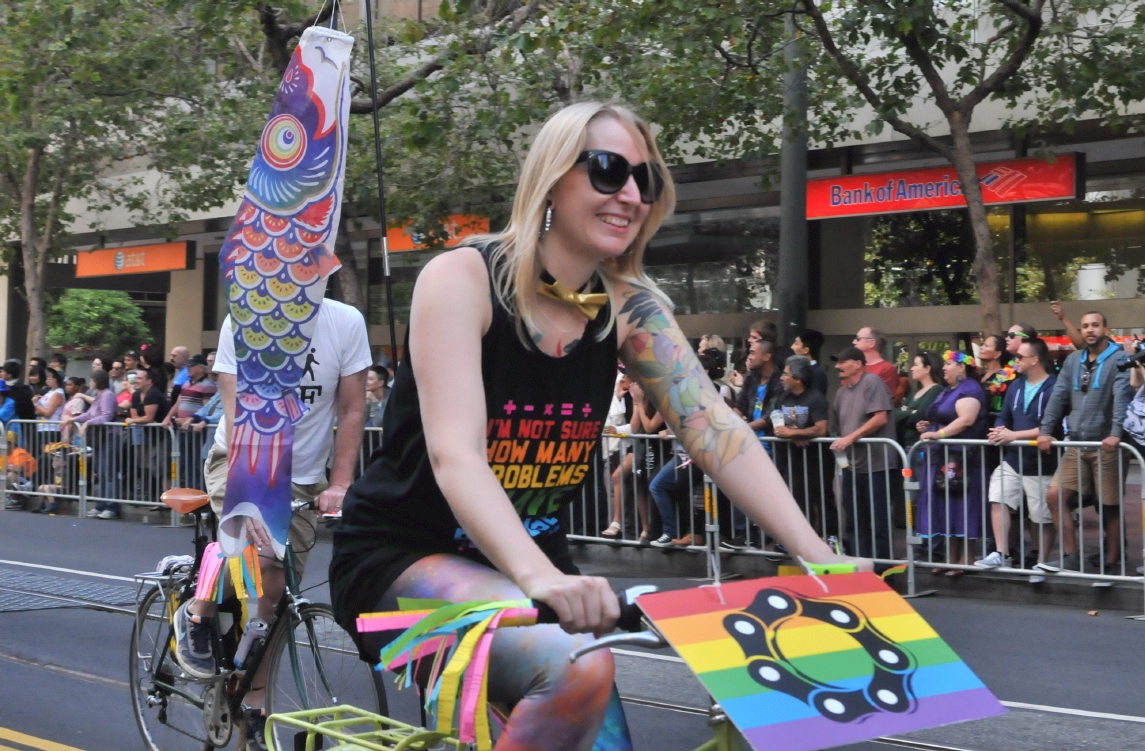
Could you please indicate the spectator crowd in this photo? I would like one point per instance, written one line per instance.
(977, 427)
(978, 505)
(109, 421)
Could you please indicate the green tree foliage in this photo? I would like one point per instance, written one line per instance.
(920, 259)
(96, 319)
(92, 92)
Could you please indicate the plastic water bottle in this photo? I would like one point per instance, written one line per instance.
(254, 632)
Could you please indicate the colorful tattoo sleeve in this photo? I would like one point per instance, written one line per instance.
(661, 358)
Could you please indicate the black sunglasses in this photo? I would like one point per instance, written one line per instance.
(608, 173)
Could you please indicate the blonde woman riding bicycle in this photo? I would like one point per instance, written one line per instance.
(496, 414)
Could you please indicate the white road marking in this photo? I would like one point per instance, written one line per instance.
(77, 674)
(1071, 711)
(69, 571)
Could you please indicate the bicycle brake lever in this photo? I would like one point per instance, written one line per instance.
(649, 639)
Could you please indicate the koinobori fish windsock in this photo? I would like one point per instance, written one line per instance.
(277, 257)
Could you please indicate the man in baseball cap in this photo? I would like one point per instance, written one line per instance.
(849, 353)
(192, 396)
(862, 409)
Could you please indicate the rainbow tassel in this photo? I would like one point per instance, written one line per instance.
(246, 574)
(460, 638)
(892, 571)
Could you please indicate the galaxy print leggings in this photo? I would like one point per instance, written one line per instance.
(555, 705)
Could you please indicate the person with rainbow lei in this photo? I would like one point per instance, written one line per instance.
(950, 489)
(997, 370)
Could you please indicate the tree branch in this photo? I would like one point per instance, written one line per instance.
(922, 59)
(278, 35)
(387, 95)
(1014, 61)
(856, 77)
(238, 44)
(436, 63)
(1002, 33)
(1032, 15)
(57, 193)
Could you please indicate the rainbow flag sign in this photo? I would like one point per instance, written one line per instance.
(798, 668)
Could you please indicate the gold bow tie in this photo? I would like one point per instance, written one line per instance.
(588, 303)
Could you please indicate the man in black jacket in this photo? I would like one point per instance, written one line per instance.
(12, 372)
(760, 385)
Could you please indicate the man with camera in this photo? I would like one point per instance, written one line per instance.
(1093, 387)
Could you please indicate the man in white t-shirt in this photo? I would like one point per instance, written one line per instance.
(333, 386)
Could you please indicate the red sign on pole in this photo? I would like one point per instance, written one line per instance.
(930, 188)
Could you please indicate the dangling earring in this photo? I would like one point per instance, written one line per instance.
(548, 219)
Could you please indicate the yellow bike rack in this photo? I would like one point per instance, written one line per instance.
(355, 729)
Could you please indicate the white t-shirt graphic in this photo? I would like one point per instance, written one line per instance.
(339, 348)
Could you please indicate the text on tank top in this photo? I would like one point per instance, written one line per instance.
(544, 420)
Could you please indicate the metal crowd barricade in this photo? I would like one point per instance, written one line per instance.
(134, 464)
(43, 466)
(111, 463)
(371, 440)
(954, 481)
(858, 514)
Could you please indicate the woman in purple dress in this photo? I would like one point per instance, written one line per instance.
(950, 490)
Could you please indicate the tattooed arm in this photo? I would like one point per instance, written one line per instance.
(659, 357)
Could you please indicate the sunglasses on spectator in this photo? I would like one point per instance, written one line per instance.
(1017, 335)
(608, 173)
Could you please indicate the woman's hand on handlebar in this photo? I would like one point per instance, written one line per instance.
(584, 604)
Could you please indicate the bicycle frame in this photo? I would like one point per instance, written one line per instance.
(285, 611)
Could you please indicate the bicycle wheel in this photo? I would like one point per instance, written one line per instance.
(329, 671)
(168, 707)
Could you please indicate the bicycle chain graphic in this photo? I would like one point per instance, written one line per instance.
(757, 627)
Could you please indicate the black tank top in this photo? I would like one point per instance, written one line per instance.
(545, 416)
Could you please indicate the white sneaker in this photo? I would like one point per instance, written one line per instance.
(1036, 578)
(107, 514)
(994, 560)
(663, 541)
(92, 512)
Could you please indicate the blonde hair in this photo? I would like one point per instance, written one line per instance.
(516, 258)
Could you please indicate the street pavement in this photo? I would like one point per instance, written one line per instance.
(63, 671)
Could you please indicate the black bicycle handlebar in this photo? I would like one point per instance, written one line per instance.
(630, 613)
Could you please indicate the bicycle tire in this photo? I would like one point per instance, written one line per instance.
(167, 721)
(350, 681)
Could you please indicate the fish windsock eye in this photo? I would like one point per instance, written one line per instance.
(283, 142)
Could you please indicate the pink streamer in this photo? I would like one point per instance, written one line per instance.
(474, 677)
(209, 572)
(366, 624)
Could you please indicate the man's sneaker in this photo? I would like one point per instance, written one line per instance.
(663, 541)
(994, 560)
(1037, 579)
(14, 503)
(193, 643)
(255, 729)
(107, 514)
(1069, 562)
(92, 512)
